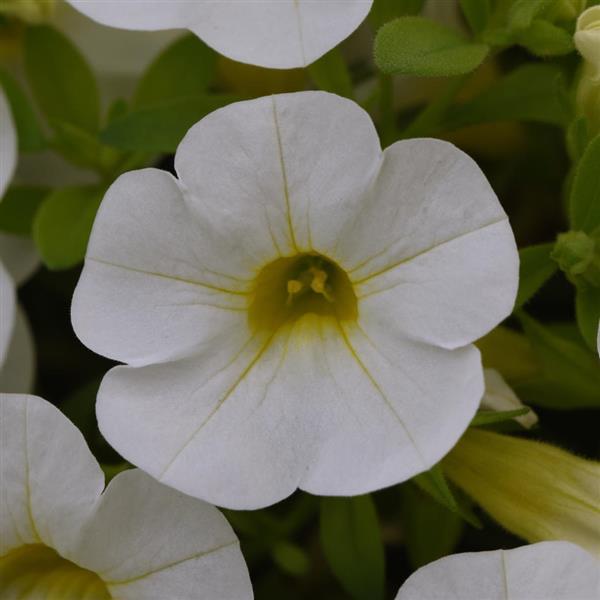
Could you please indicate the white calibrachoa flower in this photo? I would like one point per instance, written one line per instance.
(544, 571)
(62, 537)
(297, 308)
(279, 34)
(8, 144)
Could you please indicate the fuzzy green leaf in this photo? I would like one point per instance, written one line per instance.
(419, 46)
(477, 13)
(542, 38)
(536, 267)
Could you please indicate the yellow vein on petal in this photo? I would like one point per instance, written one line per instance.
(170, 565)
(165, 276)
(32, 523)
(425, 251)
(286, 192)
(380, 391)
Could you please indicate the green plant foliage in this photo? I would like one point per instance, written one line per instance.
(386, 10)
(63, 223)
(330, 73)
(352, 544)
(431, 531)
(587, 311)
(477, 13)
(533, 92)
(584, 204)
(61, 80)
(571, 377)
(161, 127)
(29, 133)
(18, 208)
(419, 46)
(536, 267)
(186, 68)
(542, 38)
(491, 417)
(522, 12)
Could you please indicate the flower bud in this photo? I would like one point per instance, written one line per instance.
(587, 37)
(537, 491)
(578, 255)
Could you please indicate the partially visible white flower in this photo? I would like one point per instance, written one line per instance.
(587, 37)
(297, 309)
(18, 260)
(279, 34)
(500, 397)
(8, 144)
(544, 571)
(62, 536)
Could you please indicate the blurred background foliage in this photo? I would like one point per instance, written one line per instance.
(498, 78)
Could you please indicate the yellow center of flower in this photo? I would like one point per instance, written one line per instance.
(36, 571)
(290, 287)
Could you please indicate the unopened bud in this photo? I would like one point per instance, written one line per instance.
(578, 255)
(537, 491)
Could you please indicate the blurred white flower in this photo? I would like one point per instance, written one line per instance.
(544, 571)
(297, 308)
(62, 536)
(499, 396)
(587, 37)
(8, 144)
(279, 34)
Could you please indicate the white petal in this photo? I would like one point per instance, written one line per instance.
(8, 144)
(148, 541)
(500, 396)
(432, 249)
(243, 427)
(544, 571)
(280, 34)
(19, 256)
(280, 174)
(17, 372)
(50, 480)
(147, 291)
(7, 311)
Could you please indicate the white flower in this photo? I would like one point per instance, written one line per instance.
(279, 34)
(61, 536)
(544, 571)
(499, 396)
(587, 37)
(8, 144)
(297, 308)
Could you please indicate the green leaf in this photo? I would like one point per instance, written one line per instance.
(331, 74)
(571, 377)
(434, 483)
(535, 269)
(29, 133)
(352, 544)
(584, 203)
(542, 38)
(160, 128)
(533, 92)
(291, 558)
(587, 310)
(430, 530)
(386, 10)
(62, 82)
(489, 417)
(577, 138)
(523, 12)
(18, 209)
(477, 13)
(63, 224)
(418, 46)
(186, 68)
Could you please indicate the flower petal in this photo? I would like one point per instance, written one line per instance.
(8, 144)
(280, 35)
(548, 570)
(18, 370)
(285, 169)
(8, 301)
(249, 424)
(50, 480)
(432, 249)
(19, 256)
(147, 292)
(148, 541)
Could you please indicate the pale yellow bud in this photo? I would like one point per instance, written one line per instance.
(587, 37)
(537, 491)
(30, 11)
